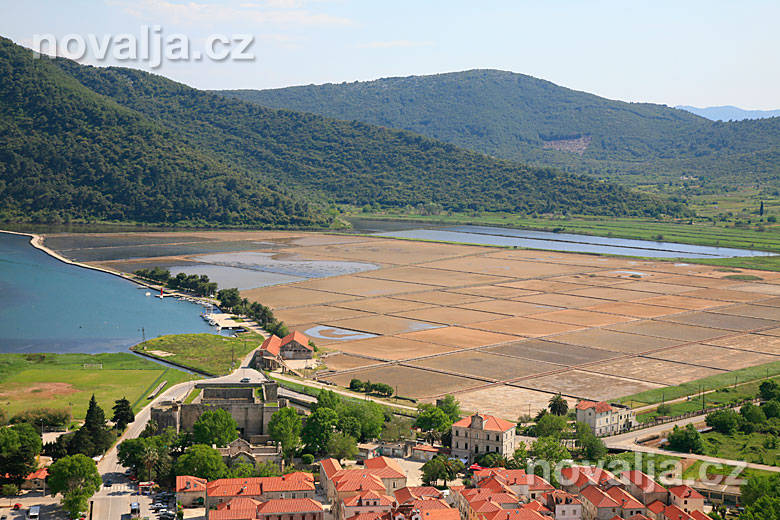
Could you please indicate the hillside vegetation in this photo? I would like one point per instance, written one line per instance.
(522, 118)
(80, 142)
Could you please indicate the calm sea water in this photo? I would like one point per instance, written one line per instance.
(49, 306)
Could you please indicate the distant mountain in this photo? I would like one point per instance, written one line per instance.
(80, 142)
(729, 113)
(522, 118)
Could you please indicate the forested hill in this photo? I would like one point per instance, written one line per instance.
(519, 117)
(113, 143)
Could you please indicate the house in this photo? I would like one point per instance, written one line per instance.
(517, 481)
(408, 512)
(236, 509)
(598, 505)
(605, 418)
(478, 434)
(241, 450)
(243, 508)
(686, 498)
(424, 452)
(290, 509)
(576, 478)
(36, 480)
(411, 494)
(520, 513)
(292, 485)
(190, 491)
(563, 505)
(393, 477)
(655, 510)
(643, 487)
(275, 351)
(365, 502)
(672, 512)
(629, 506)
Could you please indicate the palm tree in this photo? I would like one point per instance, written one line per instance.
(558, 405)
(149, 459)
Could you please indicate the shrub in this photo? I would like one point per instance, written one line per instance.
(307, 458)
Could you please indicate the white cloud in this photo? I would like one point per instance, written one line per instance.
(394, 44)
(272, 12)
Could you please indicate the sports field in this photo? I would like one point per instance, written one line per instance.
(505, 329)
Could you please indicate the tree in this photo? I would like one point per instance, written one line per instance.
(94, 437)
(268, 469)
(758, 486)
(549, 449)
(201, 461)
(686, 440)
(130, 453)
(723, 421)
(241, 470)
(558, 405)
(342, 446)
(149, 459)
(123, 414)
(349, 425)
(95, 419)
(370, 415)
(328, 399)
(215, 427)
(752, 414)
(592, 447)
(356, 385)
(440, 468)
(432, 418)
(769, 390)
(76, 477)
(20, 446)
(320, 425)
(382, 389)
(771, 408)
(229, 298)
(285, 428)
(492, 460)
(9, 490)
(397, 428)
(550, 425)
(765, 508)
(450, 406)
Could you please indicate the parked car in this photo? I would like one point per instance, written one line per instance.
(245, 380)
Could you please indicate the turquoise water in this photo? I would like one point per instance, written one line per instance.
(49, 306)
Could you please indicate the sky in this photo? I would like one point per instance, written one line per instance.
(682, 52)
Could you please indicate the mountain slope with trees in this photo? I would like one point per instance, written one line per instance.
(518, 117)
(81, 142)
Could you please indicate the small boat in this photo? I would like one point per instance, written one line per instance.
(161, 295)
(148, 293)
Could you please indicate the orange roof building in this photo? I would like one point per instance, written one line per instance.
(293, 485)
(479, 434)
(293, 346)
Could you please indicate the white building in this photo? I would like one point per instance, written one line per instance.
(605, 418)
(474, 436)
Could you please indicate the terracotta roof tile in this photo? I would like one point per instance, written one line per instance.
(374, 497)
(186, 484)
(643, 482)
(684, 491)
(601, 406)
(598, 498)
(490, 423)
(288, 505)
(625, 499)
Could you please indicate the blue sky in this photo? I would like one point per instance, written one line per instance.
(673, 52)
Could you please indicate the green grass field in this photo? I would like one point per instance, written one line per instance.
(756, 373)
(760, 448)
(69, 380)
(207, 353)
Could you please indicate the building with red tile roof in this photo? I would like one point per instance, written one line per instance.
(36, 480)
(697, 514)
(686, 498)
(656, 509)
(629, 505)
(522, 513)
(576, 478)
(605, 418)
(415, 493)
(290, 509)
(479, 434)
(292, 485)
(563, 505)
(274, 350)
(673, 512)
(643, 487)
(598, 505)
(190, 491)
(236, 509)
(365, 502)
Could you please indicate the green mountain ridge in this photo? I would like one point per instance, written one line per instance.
(82, 142)
(521, 118)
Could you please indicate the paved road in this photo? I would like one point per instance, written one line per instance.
(628, 441)
(111, 503)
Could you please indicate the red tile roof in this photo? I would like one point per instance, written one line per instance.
(656, 507)
(426, 447)
(440, 514)
(698, 515)
(371, 496)
(256, 486)
(288, 505)
(559, 496)
(40, 473)
(583, 476)
(188, 484)
(330, 467)
(675, 513)
(298, 337)
(642, 481)
(489, 423)
(515, 514)
(410, 493)
(236, 509)
(357, 480)
(684, 491)
(601, 406)
(272, 344)
(384, 467)
(625, 499)
(598, 498)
